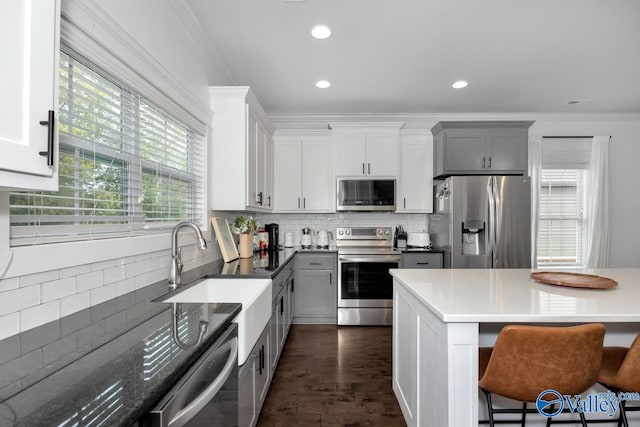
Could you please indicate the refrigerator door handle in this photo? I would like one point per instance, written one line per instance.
(492, 214)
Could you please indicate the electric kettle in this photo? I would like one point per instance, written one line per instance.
(323, 239)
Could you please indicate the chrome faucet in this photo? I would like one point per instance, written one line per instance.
(176, 252)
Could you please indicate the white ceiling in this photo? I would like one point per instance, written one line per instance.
(401, 56)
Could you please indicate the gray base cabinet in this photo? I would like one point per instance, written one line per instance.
(421, 260)
(480, 148)
(254, 377)
(316, 296)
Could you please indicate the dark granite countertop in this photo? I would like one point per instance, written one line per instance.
(111, 362)
(115, 360)
(261, 265)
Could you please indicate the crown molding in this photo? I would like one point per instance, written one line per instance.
(427, 121)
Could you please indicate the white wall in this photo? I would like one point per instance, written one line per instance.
(624, 158)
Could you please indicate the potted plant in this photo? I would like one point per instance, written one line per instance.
(245, 226)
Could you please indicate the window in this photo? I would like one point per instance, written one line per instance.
(561, 221)
(126, 166)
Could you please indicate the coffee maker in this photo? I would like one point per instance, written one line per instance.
(274, 236)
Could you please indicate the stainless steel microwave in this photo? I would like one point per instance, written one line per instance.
(366, 194)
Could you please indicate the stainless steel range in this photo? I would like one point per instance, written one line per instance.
(365, 287)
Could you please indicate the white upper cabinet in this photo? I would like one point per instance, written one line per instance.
(302, 177)
(241, 154)
(30, 33)
(415, 183)
(366, 149)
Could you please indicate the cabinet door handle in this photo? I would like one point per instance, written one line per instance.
(50, 122)
(483, 162)
(281, 306)
(304, 203)
(330, 279)
(368, 168)
(489, 162)
(298, 202)
(269, 201)
(362, 168)
(292, 281)
(404, 202)
(259, 198)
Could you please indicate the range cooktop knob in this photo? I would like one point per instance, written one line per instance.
(340, 232)
(347, 231)
(386, 232)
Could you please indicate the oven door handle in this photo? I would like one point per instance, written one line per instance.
(368, 258)
(184, 415)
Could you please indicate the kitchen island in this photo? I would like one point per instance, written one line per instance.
(442, 317)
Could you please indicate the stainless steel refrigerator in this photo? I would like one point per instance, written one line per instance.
(482, 221)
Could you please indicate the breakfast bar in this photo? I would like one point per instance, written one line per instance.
(442, 317)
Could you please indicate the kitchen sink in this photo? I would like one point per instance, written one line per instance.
(253, 294)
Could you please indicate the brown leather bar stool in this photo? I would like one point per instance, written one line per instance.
(527, 360)
(620, 372)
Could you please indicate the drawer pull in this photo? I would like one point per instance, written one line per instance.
(422, 263)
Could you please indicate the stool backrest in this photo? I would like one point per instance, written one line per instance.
(529, 359)
(628, 376)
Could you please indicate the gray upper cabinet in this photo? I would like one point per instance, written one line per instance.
(480, 148)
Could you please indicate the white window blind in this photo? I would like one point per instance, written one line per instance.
(561, 223)
(126, 167)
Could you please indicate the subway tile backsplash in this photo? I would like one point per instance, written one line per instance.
(29, 301)
(296, 222)
(32, 300)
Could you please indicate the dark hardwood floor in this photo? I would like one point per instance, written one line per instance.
(333, 376)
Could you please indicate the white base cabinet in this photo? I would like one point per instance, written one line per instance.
(30, 30)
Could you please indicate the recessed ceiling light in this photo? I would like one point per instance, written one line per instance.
(321, 32)
(460, 84)
(323, 84)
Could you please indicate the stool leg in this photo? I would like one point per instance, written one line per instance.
(582, 419)
(489, 407)
(553, 407)
(623, 415)
(524, 414)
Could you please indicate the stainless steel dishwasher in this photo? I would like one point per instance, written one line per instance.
(207, 395)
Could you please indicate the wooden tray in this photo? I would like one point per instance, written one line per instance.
(574, 280)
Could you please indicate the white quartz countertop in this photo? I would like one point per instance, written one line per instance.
(510, 295)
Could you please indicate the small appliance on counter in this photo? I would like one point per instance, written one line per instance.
(288, 239)
(400, 238)
(273, 236)
(419, 240)
(323, 239)
(305, 241)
